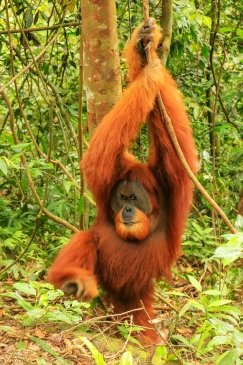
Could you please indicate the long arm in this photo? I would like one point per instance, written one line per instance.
(73, 269)
(166, 165)
(120, 126)
(163, 159)
(173, 101)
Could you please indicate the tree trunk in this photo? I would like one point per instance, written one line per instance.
(166, 24)
(101, 58)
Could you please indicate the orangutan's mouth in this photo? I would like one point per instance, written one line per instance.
(129, 223)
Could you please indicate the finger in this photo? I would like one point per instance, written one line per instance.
(80, 293)
(145, 39)
(148, 46)
(70, 288)
(73, 287)
(147, 30)
(149, 22)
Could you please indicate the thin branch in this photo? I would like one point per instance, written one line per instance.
(161, 335)
(169, 127)
(63, 112)
(42, 154)
(39, 29)
(129, 18)
(215, 9)
(59, 101)
(170, 130)
(26, 248)
(26, 68)
(80, 124)
(160, 297)
(45, 82)
(34, 59)
(29, 177)
(60, 111)
(227, 115)
(211, 67)
(28, 126)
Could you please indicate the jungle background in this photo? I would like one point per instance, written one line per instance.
(49, 105)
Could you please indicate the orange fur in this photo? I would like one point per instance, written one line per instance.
(76, 261)
(126, 269)
(139, 230)
(133, 58)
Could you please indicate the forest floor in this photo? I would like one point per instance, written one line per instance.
(39, 326)
(51, 343)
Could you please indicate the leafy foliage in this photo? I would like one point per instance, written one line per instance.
(39, 168)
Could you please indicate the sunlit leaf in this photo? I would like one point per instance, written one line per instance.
(25, 288)
(3, 166)
(97, 356)
(228, 358)
(195, 283)
(184, 309)
(126, 358)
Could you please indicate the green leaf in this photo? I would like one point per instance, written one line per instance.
(228, 253)
(195, 283)
(81, 205)
(229, 309)
(220, 325)
(239, 222)
(212, 292)
(207, 21)
(28, 17)
(25, 288)
(67, 185)
(55, 294)
(46, 347)
(184, 309)
(228, 358)
(219, 340)
(202, 340)
(36, 313)
(41, 361)
(126, 358)
(198, 228)
(219, 303)
(196, 111)
(24, 304)
(36, 17)
(197, 305)
(21, 345)
(51, 295)
(21, 147)
(161, 352)
(3, 166)
(182, 340)
(59, 316)
(98, 357)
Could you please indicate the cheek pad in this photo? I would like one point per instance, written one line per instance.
(116, 204)
(144, 205)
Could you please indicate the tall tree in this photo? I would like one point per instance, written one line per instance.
(101, 58)
(166, 24)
